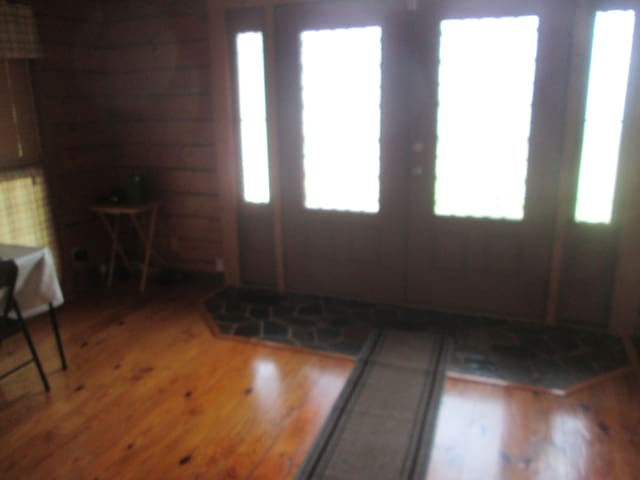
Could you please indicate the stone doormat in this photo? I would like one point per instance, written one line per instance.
(310, 322)
(517, 352)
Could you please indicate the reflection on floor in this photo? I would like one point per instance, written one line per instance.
(150, 393)
(548, 357)
(487, 432)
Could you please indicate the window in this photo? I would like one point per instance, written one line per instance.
(485, 91)
(25, 217)
(24, 210)
(341, 80)
(608, 74)
(253, 117)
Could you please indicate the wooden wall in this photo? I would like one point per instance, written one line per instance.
(156, 57)
(125, 89)
(76, 151)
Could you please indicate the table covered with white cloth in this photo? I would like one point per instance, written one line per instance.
(37, 284)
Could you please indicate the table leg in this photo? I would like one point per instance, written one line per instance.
(114, 239)
(143, 238)
(114, 250)
(149, 247)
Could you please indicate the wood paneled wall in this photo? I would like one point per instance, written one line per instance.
(125, 89)
(156, 55)
(75, 153)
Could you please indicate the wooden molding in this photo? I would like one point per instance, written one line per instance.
(633, 354)
(503, 383)
(256, 3)
(533, 388)
(598, 379)
(625, 297)
(225, 147)
(274, 147)
(575, 100)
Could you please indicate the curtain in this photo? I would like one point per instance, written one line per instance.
(19, 138)
(18, 32)
(25, 218)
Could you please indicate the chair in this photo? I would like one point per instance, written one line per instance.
(56, 332)
(12, 326)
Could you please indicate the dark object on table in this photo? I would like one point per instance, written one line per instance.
(12, 326)
(136, 191)
(117, 197)
(171, 276)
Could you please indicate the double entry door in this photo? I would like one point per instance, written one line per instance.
(419, 153)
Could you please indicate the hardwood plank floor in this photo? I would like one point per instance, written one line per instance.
(151, 394)
(487, 432)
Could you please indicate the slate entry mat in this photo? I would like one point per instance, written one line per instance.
(518, 352)
(382, 424)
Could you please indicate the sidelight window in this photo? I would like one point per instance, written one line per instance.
(253, 117)
(606, 93)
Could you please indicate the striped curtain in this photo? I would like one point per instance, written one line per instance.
(25, 217)
(18, 32)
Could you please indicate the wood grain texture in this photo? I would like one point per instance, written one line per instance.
(633, 354)
(568, 172)
(625, 301)
(224, 142)
(490, 432)
(123, 89)
(150, 393)
(274, 147)
(134, 86)
(68, 29)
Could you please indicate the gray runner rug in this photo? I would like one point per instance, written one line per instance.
(382, 424)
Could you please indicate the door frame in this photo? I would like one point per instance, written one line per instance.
(627, 181)
(290, 22)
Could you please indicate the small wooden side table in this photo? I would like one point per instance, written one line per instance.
(134, 212)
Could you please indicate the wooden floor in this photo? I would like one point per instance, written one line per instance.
(151, 394)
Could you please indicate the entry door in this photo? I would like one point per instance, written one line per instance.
(460, 213)
(245, 28)
(421, 153)
(485, 155)
(342, 152)
(601, 130)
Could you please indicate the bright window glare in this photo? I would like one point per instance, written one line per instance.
(253, 117)
(485, 90)
(610, 56)
(341, 118)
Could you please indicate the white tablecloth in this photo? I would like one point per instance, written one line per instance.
(37, 284)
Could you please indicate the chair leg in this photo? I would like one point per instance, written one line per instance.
(34, 354)
(56, 332)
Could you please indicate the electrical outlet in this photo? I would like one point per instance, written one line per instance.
(79, 255)
(219, 265)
